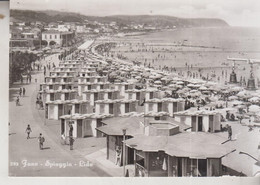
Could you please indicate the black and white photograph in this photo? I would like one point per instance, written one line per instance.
(134, 88)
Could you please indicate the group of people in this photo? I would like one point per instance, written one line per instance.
(39, 102)
(41, 139)
(21, 93)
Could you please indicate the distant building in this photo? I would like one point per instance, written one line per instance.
(80, 29)
(20, 23)
(54, 37)
(53, 25)
(62, 27)
(15, 33)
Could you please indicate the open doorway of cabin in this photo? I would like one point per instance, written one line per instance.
(200, 123)
(202, 167)
(179, 164)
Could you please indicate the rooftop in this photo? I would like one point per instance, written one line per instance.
(51, 32)
(187, 144)
(191, 112)
(86, 116)
(75, 101)
(157, 100)
(115, 125)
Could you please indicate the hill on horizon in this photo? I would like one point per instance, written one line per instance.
(153, 20)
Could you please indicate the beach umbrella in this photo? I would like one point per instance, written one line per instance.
(236, 88)
(241, 94)
(152, 77)
(158, 82)
(254, 99)
(180, 83)
(193, 91)
(203, 88)
(232, 98)
(176, 79)
(172, 85)
(213, 98)
(254, 108)
(164, 78)
(219, 103)
(190, 85)
(236, 102)
(225, 91)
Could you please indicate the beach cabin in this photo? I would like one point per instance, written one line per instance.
(71, 61)
(63, 73)
(200, 120)
(84, 125)
(56, 86)
(92, 86)
(135, 94)
(169, 105)
(57, 79)
(92, 79)
(65, 94)
(66, 69)
(102, 94)
(52, 79)
(57, 108)
(153, 93)
(177, 154)
(116, 107)
(89, 63)
(65, 64)
(88, 68)
(87, 73)
(143, 94)
(122, 87)
(113, 130)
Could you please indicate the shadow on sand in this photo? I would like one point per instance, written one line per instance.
(46, 148)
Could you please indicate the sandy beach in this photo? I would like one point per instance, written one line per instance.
(192, 49)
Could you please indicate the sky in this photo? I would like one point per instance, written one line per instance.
(234, 12)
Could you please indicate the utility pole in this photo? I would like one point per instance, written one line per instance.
(124, 155)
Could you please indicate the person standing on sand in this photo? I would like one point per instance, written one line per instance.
(229, 129)
(28, 131)
(41, 140)
(23, 91)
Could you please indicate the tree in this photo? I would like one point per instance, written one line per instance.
(20, 63)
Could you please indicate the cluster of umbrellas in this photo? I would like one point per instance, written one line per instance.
(194, 89)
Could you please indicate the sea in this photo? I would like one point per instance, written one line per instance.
(195, 47)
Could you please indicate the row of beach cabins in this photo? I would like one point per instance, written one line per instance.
(162, 138)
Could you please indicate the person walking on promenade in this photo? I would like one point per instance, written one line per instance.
(71, 143)
(229, 129)
(118, 156)
(20, 91)
(23, 91)
(28, 131)
(17, 101)
(41, 140)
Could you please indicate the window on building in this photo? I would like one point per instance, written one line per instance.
(55, 36)
(45, 36)
(50, 36)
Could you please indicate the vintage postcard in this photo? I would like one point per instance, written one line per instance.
(150, 88)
